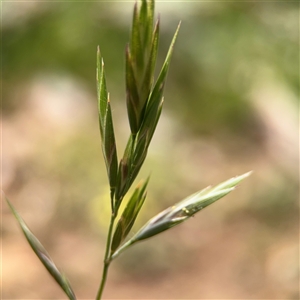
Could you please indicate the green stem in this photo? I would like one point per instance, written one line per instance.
(107, 259)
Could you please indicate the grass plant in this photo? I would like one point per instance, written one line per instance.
(144, 99)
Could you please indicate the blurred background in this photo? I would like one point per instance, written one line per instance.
(231, 105)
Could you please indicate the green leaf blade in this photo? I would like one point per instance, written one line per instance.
(146, 16)
(132, 95)
(154, 105)
(160, 83)
(186, 208)
(124, 170)
(109, 148)
(43, 256)
(150, 19)
(101, 91)
(129, 215)
(232, 182)
(136, 43)
(149, 70)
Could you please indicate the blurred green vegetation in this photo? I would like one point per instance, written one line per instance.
(224, 49)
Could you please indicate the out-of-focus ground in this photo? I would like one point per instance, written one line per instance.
(231, 105)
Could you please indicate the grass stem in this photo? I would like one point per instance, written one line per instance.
(107, 260)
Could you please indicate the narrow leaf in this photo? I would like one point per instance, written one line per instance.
(183, 210)
(155, 101)
(146, 16)
(129, 215)
(101, 91)
(106, 126)
(135, 42)
(133, 100)
(124, 168)
(232, 182)
(149, 71)
(122, 181)
(143, 23)
(137, 158)
(44, 256)
(175, 215)
(150, 18)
